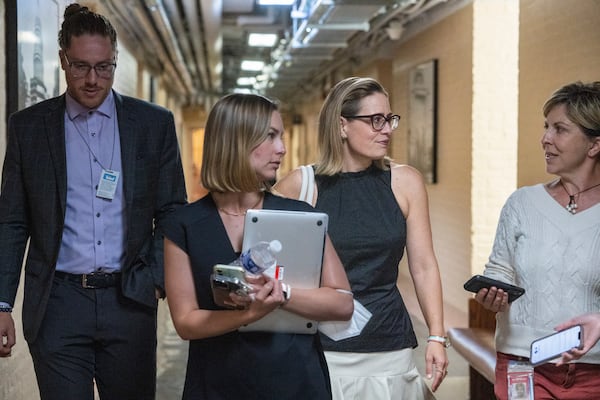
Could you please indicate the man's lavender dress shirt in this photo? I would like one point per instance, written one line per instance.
(94, 235)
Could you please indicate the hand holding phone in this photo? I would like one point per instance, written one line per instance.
(590, 323)
(226, 279)
(552, 346)
(478, 282)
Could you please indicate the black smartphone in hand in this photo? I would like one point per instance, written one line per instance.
(478, 282)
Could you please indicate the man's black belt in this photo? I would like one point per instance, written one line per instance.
(95, 280)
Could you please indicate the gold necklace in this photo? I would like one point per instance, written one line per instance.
(240, 214)
(572, 205)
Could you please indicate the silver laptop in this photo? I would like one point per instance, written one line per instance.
(302, 236)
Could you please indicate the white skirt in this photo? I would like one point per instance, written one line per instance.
(390, 375)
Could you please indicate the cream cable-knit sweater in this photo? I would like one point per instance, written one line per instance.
(555, 256)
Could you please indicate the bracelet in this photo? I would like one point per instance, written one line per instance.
(443, 340)
(345, 292)
(4, 308)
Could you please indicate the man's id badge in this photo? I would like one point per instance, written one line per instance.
(107, 187)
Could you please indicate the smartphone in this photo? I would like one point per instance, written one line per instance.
(478, 282)
(552, 346)
(232, 271)
(226, 279)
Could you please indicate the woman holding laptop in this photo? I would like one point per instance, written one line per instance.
(243, 148)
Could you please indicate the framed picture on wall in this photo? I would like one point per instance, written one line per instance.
(422, 119)
(37, 62)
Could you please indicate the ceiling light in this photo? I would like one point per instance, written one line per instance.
(394, 29)
(248, 65)
(297, 14)
(262, 39)
(275, 2)
(242, 90)
(246, 81)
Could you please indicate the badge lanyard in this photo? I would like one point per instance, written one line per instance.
(107, 186)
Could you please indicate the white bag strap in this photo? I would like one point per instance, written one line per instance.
(307, 189)
(304, 185)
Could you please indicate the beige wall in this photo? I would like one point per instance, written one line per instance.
(450, 42)
(559, 44)
(301, 139)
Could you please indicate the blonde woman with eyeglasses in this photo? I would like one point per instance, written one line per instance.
(377, 209)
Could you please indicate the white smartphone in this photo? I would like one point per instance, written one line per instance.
(552, 346)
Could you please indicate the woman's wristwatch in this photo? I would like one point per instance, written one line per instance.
(287, 293)
(444, 340)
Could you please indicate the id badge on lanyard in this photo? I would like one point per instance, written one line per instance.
(107, 187)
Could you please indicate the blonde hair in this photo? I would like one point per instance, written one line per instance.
(236, 125)
(343, 99)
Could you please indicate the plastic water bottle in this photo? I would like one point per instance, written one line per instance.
(260, 257)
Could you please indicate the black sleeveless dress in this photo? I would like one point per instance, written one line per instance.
(249, 365)
(368, 230)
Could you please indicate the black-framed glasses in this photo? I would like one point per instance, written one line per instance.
(79, 69)
(378, 120)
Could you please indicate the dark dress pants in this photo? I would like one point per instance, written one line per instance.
(95, 334)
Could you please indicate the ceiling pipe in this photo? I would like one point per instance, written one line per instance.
(156, 11)
(212, 11)
(181, 31)
(377, 25)
(143, 41)
(374, 27)
(129, 33)
(268, 19)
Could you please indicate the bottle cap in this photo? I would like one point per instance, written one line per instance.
(275, 246)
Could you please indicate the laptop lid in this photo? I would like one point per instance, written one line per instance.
(302, 236)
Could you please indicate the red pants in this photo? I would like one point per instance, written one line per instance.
(576, 381)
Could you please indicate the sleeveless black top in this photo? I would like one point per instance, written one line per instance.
(368, 230)
(241, 365)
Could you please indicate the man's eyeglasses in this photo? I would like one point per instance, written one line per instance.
(104, 70)
(378, 120)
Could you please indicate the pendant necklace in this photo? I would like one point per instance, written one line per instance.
(572, 205)
(224, 211)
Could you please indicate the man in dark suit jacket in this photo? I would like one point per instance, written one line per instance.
(88, 179)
